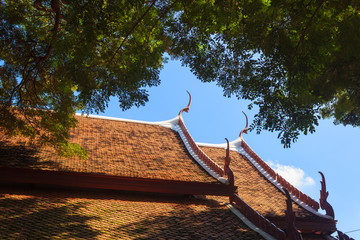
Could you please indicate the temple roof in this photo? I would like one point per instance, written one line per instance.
(161, 158)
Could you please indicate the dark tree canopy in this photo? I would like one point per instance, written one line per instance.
(297, 60)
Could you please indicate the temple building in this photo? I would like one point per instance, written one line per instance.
(151, 180)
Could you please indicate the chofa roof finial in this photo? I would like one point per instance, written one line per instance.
(187, 108)
(227, 170)
(245, 130)
(323, 198)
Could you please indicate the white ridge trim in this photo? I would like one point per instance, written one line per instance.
(236, 146)
(279, 186)
(232, 145)
(167, 124)
(250, 224)
(197, 159)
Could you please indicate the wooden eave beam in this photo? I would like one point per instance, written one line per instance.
(98, 181)
(307, 225)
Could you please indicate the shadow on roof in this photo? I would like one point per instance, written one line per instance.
(18, 155)
(33, 218)
(189, 223)
(39, 214)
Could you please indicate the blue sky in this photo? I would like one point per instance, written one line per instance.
(334, 150)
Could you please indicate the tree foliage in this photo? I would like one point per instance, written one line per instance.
(296, 60)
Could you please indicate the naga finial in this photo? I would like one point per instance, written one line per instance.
(245, 130)
(227, 158)
(227, 170)
(323, 198)
(291, 230)
(187, 108)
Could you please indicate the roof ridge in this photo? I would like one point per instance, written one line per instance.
(200, 157)
(201, 154)
(239, 145)
(167, 123)
(297, 196)
(233, 145)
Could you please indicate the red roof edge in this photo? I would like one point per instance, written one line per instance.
(256, 218)
(208, 161)
(110, 182)
(293, 190)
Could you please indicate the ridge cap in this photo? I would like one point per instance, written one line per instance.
(193, 149)
(277, 184)
(167, 123)
(199, 156)
(233, 144)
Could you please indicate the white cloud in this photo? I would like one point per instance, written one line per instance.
(293, 175)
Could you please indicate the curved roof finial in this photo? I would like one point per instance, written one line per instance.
(227, 158)
(323, 198)
(187, 108)
(227, 170)
(245, 130)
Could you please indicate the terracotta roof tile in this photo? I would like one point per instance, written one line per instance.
(38, 214)
(114, 148)
(254, 188)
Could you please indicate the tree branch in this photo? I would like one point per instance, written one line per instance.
(132, 29)
(303, 33)
(161, 16)
(26, 75)
(298, 45)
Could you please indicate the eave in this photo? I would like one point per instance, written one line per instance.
(307, 226)
(98, 181)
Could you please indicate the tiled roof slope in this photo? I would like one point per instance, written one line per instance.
(118, 148)
(107, 215)
(265, 197)
(256, 190)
